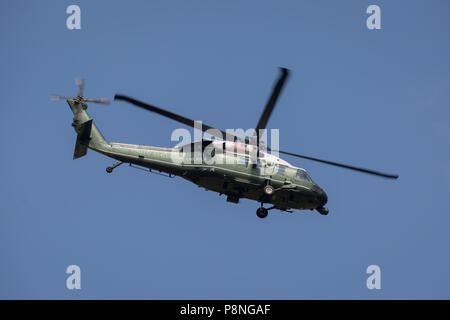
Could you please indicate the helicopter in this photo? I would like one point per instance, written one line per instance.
(233, 166)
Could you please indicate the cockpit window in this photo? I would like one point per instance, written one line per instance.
(301, 174)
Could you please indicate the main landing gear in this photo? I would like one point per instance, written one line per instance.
(268, 192)
(262, 212)
(115, 165)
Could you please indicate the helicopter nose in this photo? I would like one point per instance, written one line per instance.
(320, 195)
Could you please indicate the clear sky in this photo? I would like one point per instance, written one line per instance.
(374, 98)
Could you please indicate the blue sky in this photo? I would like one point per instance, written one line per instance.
(377, 99)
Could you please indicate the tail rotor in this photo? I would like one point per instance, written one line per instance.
(88, 135)
(79, 98)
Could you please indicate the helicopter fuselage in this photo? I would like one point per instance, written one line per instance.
(229, 172)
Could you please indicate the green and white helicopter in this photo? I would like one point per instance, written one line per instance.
(235, 166)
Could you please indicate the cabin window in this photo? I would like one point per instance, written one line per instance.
(281, 169)
(260, 164)
(195, 146)
(243, 162)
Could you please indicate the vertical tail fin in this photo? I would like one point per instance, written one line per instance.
(83, 139)
(88, 135)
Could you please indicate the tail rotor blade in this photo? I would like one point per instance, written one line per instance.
(56, 97)
(102, 101)
(80, 84)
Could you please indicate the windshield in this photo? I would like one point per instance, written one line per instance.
(301, 174)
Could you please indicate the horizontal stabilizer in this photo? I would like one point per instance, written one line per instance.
(83, 138)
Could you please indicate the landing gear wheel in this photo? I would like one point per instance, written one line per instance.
(262, 212)
(269, 190)
(115, 165)
(323, 211)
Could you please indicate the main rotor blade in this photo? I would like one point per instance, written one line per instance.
(205, 127)
(103, 100)
(262, 123)
(174, 116)
(373, 172)
(80, 84)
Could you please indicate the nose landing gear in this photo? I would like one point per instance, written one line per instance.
(322, 210)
